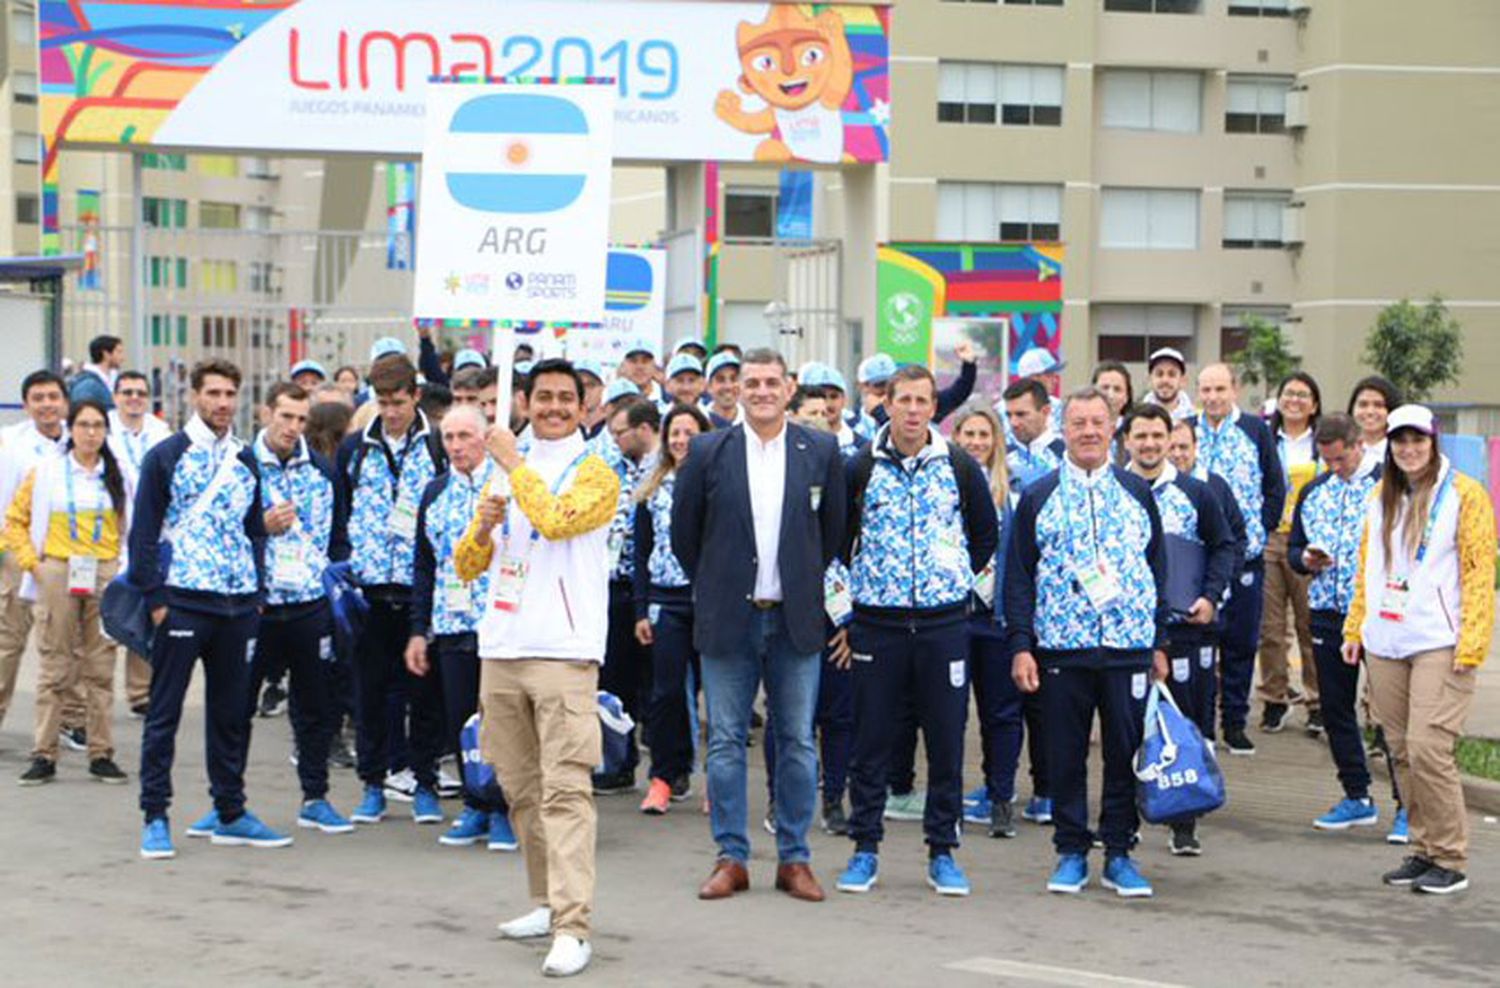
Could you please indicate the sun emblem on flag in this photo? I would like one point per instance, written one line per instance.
(518, 153)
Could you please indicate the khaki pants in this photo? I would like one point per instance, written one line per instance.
(137, 680)
(1421, 702)
(1284, 586)
(74, 654)
(15, 629)
(540, 729)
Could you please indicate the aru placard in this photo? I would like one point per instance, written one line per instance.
(513, 211)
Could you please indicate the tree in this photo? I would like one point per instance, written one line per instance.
(1267, 357)
(1419, 350)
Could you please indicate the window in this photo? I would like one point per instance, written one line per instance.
(161, 331)
(23, 27)
(218, 277)
(219, 166)
(1253, 219)
(166, 272)
(1256, 104)
(23, 87)
(28, 208)
(220, 332)
(1136, 99)
(1014, 3)
(1154, 6)
(1018, 95)
(164, 214)
(258, 168)
(257, 217)
(1259, 8)
(218, 216)
(993, 210)
(1234, 326)
(1130, 333)
(27, 146)
(262, 278)
(1149, 219)
(165, 162)
(750, 212)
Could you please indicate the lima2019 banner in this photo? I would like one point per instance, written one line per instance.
(1006, 298)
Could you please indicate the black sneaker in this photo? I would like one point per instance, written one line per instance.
(139, 711)
(42, 771)
(272, 700)
(1184, 842)
(341, 752)
(1412, 868)
(1315, 724)
(75, 738)
(1440, 881)
(682, 787)
(611, 783)
(1002, 820)
(105, 770)
(1274, 718)
(835, 820)
(1237, 742)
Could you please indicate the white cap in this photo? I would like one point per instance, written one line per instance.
(1036, 361)
(1417, 417)
(1167, 353)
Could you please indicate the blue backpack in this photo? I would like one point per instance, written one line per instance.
(479, 775)
(615, 726)
(1177, 776)
(347, 602)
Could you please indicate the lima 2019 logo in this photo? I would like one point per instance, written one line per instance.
(532, 127)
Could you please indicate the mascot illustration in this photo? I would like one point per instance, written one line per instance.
(802, 68)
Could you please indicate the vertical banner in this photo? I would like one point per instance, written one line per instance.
(794, 206)
(711, 254)
(515, 195)
(400, 211)
(90, 278)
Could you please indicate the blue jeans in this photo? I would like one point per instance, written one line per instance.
(730, 682)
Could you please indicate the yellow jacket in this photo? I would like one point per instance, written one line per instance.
(59, 543)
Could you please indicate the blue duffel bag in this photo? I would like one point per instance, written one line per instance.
(126, 617)
(1177, 775)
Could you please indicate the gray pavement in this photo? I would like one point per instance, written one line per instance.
(1271, 903)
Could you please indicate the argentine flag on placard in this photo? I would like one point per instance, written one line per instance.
(516, 153)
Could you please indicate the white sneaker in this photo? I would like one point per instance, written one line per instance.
(568, 956)
(448, 785)
(537, 923)
(400, 786)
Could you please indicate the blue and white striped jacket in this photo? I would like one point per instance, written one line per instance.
(376, 477)
(1331, 515)
(448, 507)
(1241, 451)
(307, 481)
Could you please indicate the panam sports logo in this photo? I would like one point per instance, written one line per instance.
(627, 282)
(517, 159)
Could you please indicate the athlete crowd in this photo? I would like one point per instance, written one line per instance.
(708, 535)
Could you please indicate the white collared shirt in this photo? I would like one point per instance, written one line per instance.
(765, 470)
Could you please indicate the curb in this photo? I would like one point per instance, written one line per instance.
(1482, 795)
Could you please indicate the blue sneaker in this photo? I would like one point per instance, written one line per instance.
(1121, 874)
(1348, 813)
(502, 837)
(156, 840)
(861, 874)
(204, 826)
(425, 807)
(1070, 875)
(946, 877)
(371, 809)
(980, 810)
(1399, 832)
(978, 795)
(1038, 810)
(319, 814)
(248, 831)
(468, 829)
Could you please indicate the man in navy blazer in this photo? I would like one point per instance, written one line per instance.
(757, 516)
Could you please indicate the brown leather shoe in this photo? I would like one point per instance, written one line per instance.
(799, 882)
(728, 878)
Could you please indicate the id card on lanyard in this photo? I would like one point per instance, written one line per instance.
(510, 575)
(1396, 594)
(83, 571)
(1096, 577)
(403, 517)
(290, 556)
(458, 596)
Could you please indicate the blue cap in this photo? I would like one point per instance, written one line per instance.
(468, 358)
(684, 344)
(684, 363)
(385, 346)
(591, 367)
(877, 369)
(523, 367)
(641, 346)
(309, 366)
(619, 388)
(719, 361)
(822, 376)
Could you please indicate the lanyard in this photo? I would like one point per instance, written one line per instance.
(1432, 516)
(73, 507)
(134, 452)
(1093, 521)
(556, 487)
(397, 462)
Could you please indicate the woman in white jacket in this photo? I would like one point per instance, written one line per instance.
(1423, 611)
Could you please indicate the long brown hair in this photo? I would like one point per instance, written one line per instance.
(999, 471)
(1396, 490)
(667, 463)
